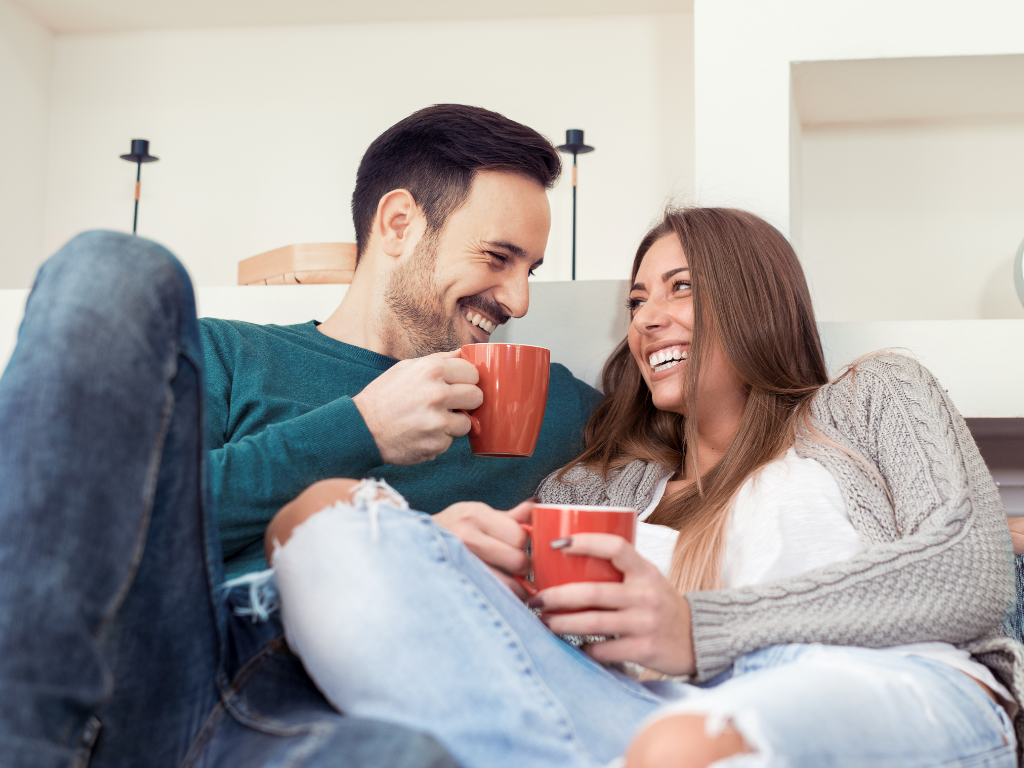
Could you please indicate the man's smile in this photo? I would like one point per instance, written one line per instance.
(484, 315)
(482, 322)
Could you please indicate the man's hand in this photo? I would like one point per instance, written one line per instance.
(1017, 534)
(409, 408)
(495, 537)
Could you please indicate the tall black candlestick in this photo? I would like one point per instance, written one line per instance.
(139, 155)
(574, 143)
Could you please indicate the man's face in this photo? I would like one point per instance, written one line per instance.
(463, 282)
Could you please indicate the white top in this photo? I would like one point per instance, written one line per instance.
(790, 517)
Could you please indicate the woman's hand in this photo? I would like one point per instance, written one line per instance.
(495, 537)
(1017, 534)
(648, 619)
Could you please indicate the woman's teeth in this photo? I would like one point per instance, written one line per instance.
(484, 323)
(666, 358)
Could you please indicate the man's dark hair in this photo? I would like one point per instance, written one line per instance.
(435, 154)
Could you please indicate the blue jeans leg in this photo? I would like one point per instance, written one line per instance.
(100, 436)
(806, 706)
(396, 620)
(115, 643)
(273, 715)
(1013, 625)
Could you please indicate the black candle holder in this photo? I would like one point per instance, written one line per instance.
(139, 155)
(574, 143)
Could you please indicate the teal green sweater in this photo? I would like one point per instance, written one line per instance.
(280, 417)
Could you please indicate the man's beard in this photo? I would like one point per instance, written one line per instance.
(420, 324)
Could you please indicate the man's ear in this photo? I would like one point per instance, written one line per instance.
(395, 222)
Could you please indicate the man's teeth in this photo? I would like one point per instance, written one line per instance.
(484, 323)
(667, 358)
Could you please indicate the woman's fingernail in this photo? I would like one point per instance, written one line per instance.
(535, 602)
(561, 543)
(534, 499)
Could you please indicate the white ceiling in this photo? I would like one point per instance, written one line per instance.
(898, 90)
(68, 16)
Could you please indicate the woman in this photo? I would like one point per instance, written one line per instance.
(837, 560)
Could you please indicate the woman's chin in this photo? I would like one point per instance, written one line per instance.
(668, 400)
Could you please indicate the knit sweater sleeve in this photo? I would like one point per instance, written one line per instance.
(252, 477)
(938, 564)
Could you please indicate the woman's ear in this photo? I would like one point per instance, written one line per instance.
(395, 222)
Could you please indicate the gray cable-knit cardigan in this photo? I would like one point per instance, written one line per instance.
(938, 564)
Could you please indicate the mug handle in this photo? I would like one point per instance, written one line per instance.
(531, 590)
(474, 423)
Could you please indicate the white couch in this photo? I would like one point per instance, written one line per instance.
(980, 362)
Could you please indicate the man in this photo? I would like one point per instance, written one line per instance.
(118, 645)
(451, 219)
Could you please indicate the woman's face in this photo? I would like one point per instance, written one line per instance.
(661, 331)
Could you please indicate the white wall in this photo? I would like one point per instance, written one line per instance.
(743, 50)
(259, 131)
(913, 221)
(26, 60)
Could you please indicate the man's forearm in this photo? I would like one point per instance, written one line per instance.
(257, 475)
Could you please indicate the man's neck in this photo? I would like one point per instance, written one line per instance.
(357, 320)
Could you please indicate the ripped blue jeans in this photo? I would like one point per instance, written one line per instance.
(117, 646)
(394, 619)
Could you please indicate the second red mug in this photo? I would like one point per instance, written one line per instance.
(552, 567)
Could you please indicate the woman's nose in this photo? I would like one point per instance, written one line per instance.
(649, 316)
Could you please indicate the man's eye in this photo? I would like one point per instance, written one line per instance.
(498, 257)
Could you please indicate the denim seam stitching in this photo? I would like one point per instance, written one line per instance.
(205, 735)
(236, 705)
(516, 643)
(152, 476)
(981, 759)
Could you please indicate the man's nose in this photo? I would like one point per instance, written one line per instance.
(515, 295)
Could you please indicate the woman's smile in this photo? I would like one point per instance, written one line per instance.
(664, 356)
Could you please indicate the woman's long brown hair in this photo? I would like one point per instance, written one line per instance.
(750, 296)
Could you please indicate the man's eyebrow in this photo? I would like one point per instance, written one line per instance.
(504, 245)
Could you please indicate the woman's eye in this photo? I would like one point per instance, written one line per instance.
(632, 305)
(680, 285)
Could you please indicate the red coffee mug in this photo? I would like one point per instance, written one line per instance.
(552, 567)
(514, 380)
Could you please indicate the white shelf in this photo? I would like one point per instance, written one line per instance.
(919, 89)
(980, 362)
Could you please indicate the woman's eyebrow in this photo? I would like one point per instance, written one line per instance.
(671, 272)
(664, 278)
